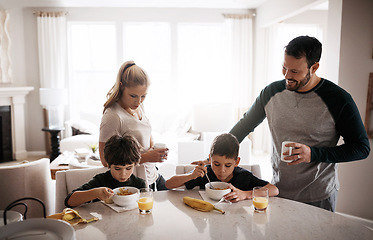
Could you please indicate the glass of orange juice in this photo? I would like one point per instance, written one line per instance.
(260, 199)
(145, 201)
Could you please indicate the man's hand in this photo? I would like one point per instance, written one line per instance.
(301, 153)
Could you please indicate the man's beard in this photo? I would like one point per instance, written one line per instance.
(299, 84)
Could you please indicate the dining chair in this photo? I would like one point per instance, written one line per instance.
(27, 179)
(68, 180)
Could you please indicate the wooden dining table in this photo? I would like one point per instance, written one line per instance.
(172, 219)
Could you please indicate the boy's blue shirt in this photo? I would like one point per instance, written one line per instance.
(242, 179)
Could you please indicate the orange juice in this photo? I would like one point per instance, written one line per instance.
(260, 203)
(145, 203)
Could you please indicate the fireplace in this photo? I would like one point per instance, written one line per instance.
(12, 101)
(6, 151)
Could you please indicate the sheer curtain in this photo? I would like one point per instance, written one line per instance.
(239, 33)
(5, 62)
(52, 48)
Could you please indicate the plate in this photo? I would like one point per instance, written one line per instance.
(38, 228)
(12, 216)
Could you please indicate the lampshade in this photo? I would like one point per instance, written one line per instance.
(53, 96)
(213, 117)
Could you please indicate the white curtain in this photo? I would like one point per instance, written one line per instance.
(239, 33)
(5, 62)
(52, 48)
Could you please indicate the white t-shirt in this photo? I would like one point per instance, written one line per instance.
(117, 121)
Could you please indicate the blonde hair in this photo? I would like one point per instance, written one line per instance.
(129, 75)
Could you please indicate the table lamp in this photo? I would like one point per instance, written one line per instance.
(53, 100)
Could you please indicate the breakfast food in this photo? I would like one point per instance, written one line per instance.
(219, 188)
(200, 205)
(124, 192)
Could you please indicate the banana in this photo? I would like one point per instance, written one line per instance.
(200, 205)
(68, 216)
(71, 216)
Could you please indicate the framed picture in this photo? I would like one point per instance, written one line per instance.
(369, 108)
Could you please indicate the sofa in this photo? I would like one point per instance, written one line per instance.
(185, 145)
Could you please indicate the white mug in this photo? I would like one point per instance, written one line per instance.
(159, 145)
(286, 149)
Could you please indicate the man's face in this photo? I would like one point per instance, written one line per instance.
(296, 72)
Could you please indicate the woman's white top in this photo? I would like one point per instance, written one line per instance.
(117, 121)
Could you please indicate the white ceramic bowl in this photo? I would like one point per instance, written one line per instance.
(126, 200)
(217, 194)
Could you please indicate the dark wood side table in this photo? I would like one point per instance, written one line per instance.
(55, 141)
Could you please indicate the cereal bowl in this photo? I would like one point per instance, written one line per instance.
(221, 188)
(125, 196)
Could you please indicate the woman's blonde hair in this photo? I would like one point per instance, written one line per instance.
(129, 75)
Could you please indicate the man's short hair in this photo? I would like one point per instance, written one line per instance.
(305, 46)
(122, 150)
(225, 145)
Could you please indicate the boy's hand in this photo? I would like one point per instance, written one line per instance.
(104, 193)
(199, 171)
(236, 194)
(199, 161)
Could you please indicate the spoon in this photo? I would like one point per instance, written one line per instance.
(212, 187)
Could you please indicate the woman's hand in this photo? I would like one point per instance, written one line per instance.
(154, 155)
(237, 194)
(104, 193)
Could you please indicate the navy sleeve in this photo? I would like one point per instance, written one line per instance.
(348, 124)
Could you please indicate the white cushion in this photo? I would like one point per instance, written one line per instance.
(29, 179)
(78, 141)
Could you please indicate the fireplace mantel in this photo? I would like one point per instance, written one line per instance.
(15, 97)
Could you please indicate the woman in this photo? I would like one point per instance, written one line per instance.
(124, 115)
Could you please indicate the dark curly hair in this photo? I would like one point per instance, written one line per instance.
(122, 150)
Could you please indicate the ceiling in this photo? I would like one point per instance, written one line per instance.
(224, 4)
(232, 4)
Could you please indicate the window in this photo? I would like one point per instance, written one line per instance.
(181, 60)
(92, 63)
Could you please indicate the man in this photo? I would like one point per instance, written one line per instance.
(312, 112)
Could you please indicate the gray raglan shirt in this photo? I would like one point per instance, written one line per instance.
(316, 118)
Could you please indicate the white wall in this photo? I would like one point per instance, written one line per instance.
(355, 64)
